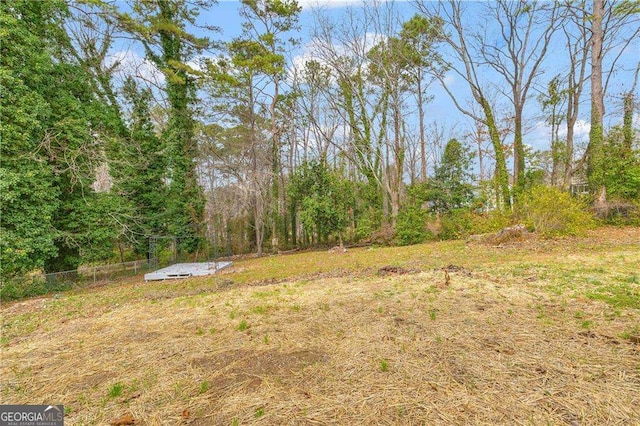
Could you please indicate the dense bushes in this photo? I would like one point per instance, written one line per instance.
(622, 174)
(416, 225)
(464, 222)
(552, 212)
(549, 211)
(30, 286)
(411, 227)
(323, 198)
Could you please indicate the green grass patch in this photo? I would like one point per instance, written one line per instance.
(266, 294)
(261, 310)
(116, 390)
(633, 333)
(618, 296)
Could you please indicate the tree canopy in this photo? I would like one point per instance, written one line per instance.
(283, 136)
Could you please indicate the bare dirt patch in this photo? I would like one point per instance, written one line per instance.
(392, 270)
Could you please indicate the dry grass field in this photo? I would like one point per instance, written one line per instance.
(527, 332)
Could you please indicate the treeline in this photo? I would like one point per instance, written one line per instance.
(243, 145)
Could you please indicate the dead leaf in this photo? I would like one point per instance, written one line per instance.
(127, 419)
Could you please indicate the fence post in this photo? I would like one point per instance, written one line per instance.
(94, 274)
(135, 267)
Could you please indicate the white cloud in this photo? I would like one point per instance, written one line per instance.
(449, 78)
(580, 130)
(540, 136)
(323, 53)
(199, 63)
(313, 4)
(308, 54)
(132, 64)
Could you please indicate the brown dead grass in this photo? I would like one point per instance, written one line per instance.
(494, 344)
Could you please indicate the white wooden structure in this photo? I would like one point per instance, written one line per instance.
(186, 270)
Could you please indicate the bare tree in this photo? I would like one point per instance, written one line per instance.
(577, 44)
(420, 37)
(596, 134)
(321, 120)
(342, 48)
(266, 26)
(629, 107)
(516, 54)
(463, 61)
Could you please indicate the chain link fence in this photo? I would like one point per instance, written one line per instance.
(98, 274)
(163, 251)
(39, 284)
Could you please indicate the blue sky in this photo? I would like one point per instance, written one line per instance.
(225, 15)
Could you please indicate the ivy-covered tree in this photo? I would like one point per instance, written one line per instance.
(161, 27)
(622, 174)
(461, 38)
(323, 200)
(142, 171)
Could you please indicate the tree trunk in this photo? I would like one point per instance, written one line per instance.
(596, 134)
(518, 153)
(629, 106)
(423, 147)
(502, 176)
(555, 148)
(578, 49)
(275, 153)
(294, 225)
(398, 160)
(255, 179)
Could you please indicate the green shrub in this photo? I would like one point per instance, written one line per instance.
(368, 223)
(456, 224)
(461, 223)
(21, 288)
(552, 212)
(411, 226)
(491, 222)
